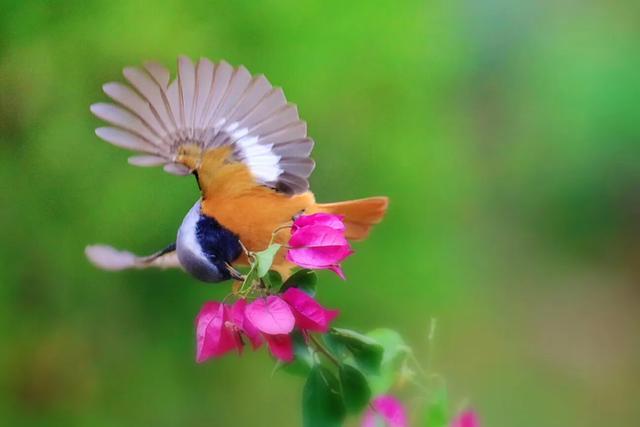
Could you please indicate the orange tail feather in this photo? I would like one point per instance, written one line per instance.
(359, 215)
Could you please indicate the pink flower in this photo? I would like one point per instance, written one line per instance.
(318, 242)
(387, 409)
(221, 328)
(273, 317)
(466, 419)
(308, 313)
(214, 333)
(243, 324)
(329, 220)
(281, 346)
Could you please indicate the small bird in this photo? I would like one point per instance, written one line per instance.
(248, 150)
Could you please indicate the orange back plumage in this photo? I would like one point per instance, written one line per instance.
(252, 211)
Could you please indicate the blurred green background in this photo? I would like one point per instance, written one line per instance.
(506, 134)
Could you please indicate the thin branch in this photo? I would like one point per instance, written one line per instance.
(322, 349)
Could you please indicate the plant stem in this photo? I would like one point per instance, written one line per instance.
(322, 349)
(278, 229)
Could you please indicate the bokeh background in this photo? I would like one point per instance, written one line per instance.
(506, 134)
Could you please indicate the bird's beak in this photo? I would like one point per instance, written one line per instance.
(235, 274)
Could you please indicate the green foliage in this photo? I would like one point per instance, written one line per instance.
(273, 279)
(351, 391)
(304, 279)
(392, 342)
(304, 358)
(251, 276)
(322, 401)
(366, 352)
(355, 388)
(395, 352)
(264, 259)
(437, 413)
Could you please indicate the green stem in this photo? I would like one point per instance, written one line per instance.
(322, 349)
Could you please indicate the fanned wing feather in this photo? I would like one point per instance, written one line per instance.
(204, 78)
(125, 139)
(123, 119)
(210, 106)
(146, 160)
(129, 99)
(186, 79)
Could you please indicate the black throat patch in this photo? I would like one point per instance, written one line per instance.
(218, 244)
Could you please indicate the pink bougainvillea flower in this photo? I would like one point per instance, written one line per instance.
(309, 314)
(214, 336)
(318, 242)
(466, 419)
(386, 409)
(329, 220)
(271, 315)
(243, 325)
(281, 346)
(272, 319)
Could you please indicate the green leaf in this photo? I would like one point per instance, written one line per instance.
(437, 412)
(395, 351)
(355, 388)
(305, 280)
(392, 342)
(273, 279)
(264, 259)
(304, 358)
(336, 347)
(367, 353)
(251, 276)
(322, 404)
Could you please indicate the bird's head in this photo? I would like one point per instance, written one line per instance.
(205, 248)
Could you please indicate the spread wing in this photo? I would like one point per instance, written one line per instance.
(208, 106)
(108, 258)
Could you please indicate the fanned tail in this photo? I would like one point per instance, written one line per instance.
(359, 215)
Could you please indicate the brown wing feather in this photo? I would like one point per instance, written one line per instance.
(208, 106)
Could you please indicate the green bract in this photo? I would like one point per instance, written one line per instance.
(264, 259)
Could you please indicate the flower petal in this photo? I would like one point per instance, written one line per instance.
(319, 257)
(338, 270)
(334, 221)
(387, 409)
(281, 346)
(309, 313)
(240, 320)
(213, 338)
(270, 315)
(317, 236)
(466, 419)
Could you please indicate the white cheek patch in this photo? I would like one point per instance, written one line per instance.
(187, 238)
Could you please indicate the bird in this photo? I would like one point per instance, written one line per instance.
(248, 150)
